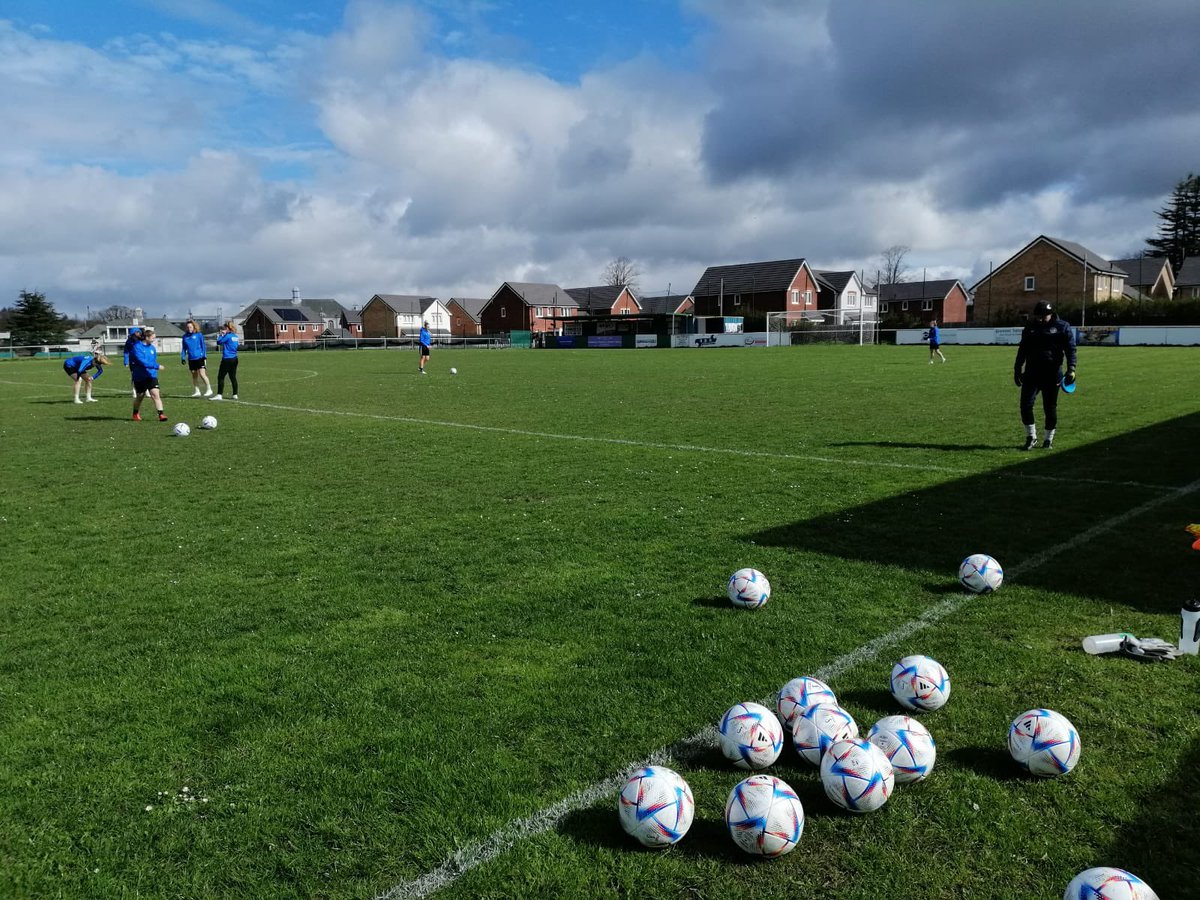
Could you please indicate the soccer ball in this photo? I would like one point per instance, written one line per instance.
(920, 683)
(750, 736)
(1044, 743)
(1108, 883)
(907, 744)
(856, 775)
(818, 727)
(798, 695)
(182, 429)
(453, 371)
(656, 806)
(749, 589)
(208, 422)
(764, 816)
(980, 574)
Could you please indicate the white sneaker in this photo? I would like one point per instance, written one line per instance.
(208, 393)
(92, 400)
(216, 397)
(196, 392)
(235, 396)
(77, 400)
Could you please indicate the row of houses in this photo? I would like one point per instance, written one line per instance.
(787, 291)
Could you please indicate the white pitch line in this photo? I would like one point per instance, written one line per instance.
(697, 448)
(474, 855)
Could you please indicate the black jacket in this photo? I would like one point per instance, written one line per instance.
(1044, 346)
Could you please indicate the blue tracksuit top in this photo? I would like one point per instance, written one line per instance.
(934, 335)
(143, 361)
(424, 337)
(134, 336)
(193, 347)
(80, 365)
(228, 342)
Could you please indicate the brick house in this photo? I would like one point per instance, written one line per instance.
(942, 299)
(667, 305)
(1187, 282)
(527, 306)
(841, 298)
(339, 321)
(464, 315)
(1050, 269)
(281, 321)
(396, 315)
(1149, 276)
(752, 290)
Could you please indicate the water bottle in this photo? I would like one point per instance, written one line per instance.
(1104, 643)
(1189, 628)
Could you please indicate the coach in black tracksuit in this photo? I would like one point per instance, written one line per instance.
(1046, 341)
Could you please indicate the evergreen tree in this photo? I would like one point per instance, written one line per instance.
(1179, 232)
(34, 321)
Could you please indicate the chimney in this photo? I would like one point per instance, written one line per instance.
(295, 295)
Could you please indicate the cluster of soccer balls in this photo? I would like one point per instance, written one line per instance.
(764, 814)
(183, 429)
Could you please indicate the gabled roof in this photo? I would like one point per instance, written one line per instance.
(663, 305)
(598, 298)
(328, 308)
(536, 293)
(412, 304)
(162, 327)
(836, 281)
(1093, 260)
(1142, 269)
(775, 275)
(917, 290)
(472, 306)
(1189, 272)
(285, 312)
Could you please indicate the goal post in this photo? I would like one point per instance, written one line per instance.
(786, 329)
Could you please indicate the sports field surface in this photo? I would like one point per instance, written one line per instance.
(382, 635)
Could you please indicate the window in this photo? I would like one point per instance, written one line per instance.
(904, 306)
(302, 328)
(852, 300)
(795, 298)
(883, 308)
(927, 305)
(808, 298)
(282, 328)
(504, 312)
(1030, 283)
(737, 299)
(625, 311)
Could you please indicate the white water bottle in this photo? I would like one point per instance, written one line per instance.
(1189, 628)
(1104, 643)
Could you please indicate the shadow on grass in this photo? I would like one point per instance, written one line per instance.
(715, 603)
(877, 701)
(922, 445)
(1017, 512)
(995, 763)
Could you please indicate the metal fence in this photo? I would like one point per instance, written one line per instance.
(72, 348)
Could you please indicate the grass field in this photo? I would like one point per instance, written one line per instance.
(373, 620)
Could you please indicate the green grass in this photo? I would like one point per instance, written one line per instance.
(374, 618)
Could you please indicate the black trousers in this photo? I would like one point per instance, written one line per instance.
(228, 368)
(1044, 383)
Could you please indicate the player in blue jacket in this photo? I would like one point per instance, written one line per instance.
(935, 341)
(195, 355)
(424, 340)
(135, 335)
(83, 370)
(143, 364)
(227, 341)
(1045, 343)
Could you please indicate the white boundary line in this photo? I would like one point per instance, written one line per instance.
(474, 855)
(697, 448)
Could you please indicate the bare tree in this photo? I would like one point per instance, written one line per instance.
(622, 272)
(116, 312)
(891, 269)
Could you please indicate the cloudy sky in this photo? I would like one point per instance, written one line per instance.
(194, 155)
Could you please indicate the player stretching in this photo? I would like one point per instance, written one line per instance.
(1045, 342)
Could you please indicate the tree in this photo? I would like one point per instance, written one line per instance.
(621, 272)
(116, 313)
(1179, 231)
(891, 269)
(34, 321)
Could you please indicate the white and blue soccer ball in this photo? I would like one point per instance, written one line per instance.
(816, 729)
(798, 695)
(980, 574)
(656, 806)
(750, 736)
(920, 683)
(1044, 742)
(764, 816)
(907, 744)
(208, 423)
(1108, 883)
(856, 775)
(181, 429)
(749, 589)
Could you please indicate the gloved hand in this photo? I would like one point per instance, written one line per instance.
(1151, 649)
(1069, 378)
(1017, 377)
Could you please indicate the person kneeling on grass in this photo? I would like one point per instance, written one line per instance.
(143, 364)
(85, 369)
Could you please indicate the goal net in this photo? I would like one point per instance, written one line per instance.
(786, 328)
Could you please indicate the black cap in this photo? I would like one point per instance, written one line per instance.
(1042, 308)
